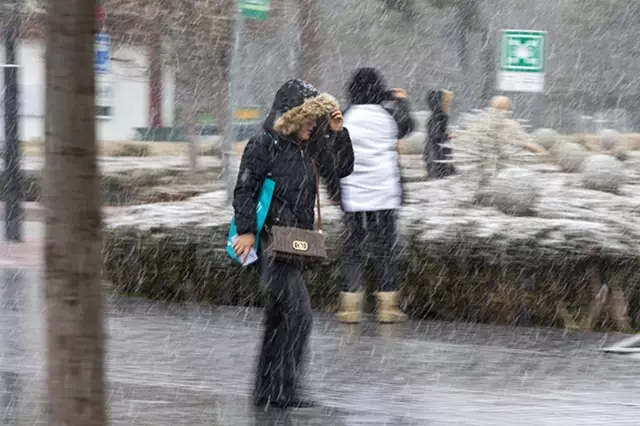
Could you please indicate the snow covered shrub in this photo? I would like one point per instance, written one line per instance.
(621, 155)
(211, 150)
(602, 173)
(610, 139)
(580, 139)
(489, 141)
(546, 138)
(514, 191)
(613, 143)
(132, 149)
(569, 156)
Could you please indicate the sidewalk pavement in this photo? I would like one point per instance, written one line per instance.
(27, 253)
(34, 211)
(181, 364)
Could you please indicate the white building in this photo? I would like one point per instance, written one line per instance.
(126, 90)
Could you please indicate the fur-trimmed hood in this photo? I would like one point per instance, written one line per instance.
(310, 111)
(295, 104)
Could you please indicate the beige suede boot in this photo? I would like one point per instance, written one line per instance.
(388, 311)
(350, 307)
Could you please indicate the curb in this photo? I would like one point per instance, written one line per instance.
(32, 211)
(21, 255)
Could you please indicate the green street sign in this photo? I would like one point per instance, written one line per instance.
(522, 51)
(256, 9)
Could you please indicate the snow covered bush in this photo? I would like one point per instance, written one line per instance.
(489, 141)
(613, 143)
(132, 149)
(514, 191)
(603, 173)
(569, 156)
(546, 138)
(610, 139)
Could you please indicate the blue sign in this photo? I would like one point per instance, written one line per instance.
(102, 53)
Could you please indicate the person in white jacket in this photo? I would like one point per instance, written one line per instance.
(371, 195)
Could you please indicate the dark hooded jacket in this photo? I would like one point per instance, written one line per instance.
(275, 153)
(437, 135)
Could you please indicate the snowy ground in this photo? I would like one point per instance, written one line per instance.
(185, 365)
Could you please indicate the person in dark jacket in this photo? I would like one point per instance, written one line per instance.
(371, 195)
(303, 127)
(439, 102)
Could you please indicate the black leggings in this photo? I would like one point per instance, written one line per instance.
(288, 320)
(380, 227)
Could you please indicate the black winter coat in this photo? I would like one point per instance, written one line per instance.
(400, 110)
(290, 165)
(280, 157)
(437, 135)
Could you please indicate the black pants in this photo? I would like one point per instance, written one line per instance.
(433, 153)
(288, 321)
(380, 228)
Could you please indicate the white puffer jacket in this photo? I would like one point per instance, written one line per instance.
(375, 182)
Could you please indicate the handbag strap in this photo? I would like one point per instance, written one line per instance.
(319, 210)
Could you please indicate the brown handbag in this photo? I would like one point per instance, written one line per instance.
(287, 243)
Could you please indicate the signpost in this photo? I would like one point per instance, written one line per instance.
(522, 61)
(250, 9)
(13, 189)
(102, 69)
(103, 53)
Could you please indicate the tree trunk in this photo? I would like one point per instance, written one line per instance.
(155, 79)
(309, 52)
(73, 238)
(488, 65)
(192, 143)
(465, 11)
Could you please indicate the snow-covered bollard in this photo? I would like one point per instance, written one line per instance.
(515, 191)
(603, 173)
(610, 140)
(546, 138)
(569, 156)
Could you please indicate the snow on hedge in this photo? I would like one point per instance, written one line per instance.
(567, 218)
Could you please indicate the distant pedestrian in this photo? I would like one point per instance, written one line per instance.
(303, 132)
(372, 194)
(439, 102)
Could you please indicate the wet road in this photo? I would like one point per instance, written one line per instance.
(189, 365)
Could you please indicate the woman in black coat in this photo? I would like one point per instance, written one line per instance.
(437, 135)
(303, 127)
